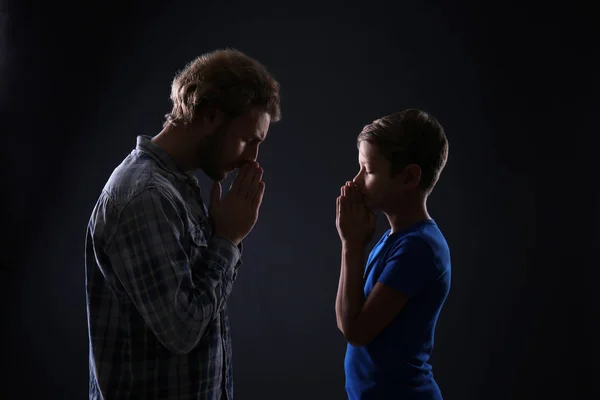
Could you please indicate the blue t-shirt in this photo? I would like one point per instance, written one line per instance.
(394, 365)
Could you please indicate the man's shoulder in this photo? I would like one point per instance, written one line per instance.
(136, 176)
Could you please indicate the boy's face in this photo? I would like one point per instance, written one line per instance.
(375, 179)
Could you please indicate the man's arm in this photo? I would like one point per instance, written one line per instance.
(176, 299)
(406, 272)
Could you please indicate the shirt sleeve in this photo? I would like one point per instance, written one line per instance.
(410, 267)
(176, 299)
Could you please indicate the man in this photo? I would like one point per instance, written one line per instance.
(388, 308)
(159, 265)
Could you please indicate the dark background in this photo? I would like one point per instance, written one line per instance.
(515, 86)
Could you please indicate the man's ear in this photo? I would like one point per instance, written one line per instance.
(212, 114)
(212, 118)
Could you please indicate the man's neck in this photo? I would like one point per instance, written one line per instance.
(171, 140)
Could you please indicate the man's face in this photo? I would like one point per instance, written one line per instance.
(374, 177)
(234, 143)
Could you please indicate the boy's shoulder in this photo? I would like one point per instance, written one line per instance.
(427, 241)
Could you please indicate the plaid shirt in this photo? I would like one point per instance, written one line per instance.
(157, 286)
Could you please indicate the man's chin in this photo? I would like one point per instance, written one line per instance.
(225, 174)
(216, 175)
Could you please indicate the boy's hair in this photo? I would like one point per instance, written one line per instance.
(410, 136)
(225, 79)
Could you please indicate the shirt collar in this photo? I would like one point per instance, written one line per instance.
(162, 158)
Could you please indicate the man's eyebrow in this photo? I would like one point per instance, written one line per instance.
(260, 136)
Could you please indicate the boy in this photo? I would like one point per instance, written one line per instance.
(388, 310)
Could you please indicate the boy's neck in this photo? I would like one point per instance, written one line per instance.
(407, 214)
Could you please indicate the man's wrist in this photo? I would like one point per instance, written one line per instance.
(233, 242)
(227, 237)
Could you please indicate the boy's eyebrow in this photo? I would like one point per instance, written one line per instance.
(364, 158)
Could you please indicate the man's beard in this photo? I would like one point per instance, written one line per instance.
(211, 153)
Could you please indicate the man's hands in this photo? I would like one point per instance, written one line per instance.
(234, 215)
(355, 222)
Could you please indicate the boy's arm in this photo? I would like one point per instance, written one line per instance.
(403, 276)
(350, 297)
(362, 320)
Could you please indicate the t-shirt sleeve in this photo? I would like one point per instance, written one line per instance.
(410, 266)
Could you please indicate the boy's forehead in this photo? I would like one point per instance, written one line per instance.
(368, 151)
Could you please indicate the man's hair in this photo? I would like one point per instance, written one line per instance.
(410, 136)
(227, 80)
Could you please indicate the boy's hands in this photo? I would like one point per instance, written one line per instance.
(354, 221)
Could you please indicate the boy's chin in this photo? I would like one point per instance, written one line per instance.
(372, 205)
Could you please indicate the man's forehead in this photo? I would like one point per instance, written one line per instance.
(262, 125)
(253, 123)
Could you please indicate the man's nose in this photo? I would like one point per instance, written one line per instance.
(251, 154)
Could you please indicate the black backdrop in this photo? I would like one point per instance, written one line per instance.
(515, 86)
